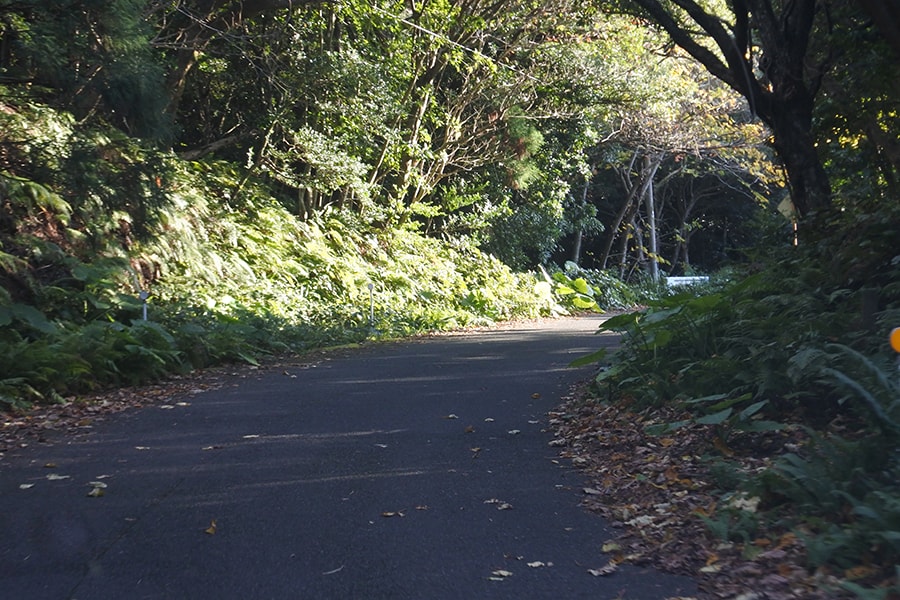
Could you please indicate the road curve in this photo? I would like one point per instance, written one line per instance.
(415, 470)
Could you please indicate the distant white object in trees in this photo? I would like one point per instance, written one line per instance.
(679, 281)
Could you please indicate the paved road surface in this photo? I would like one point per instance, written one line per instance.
(298, 471)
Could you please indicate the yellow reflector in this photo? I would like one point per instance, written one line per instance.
(895, 339)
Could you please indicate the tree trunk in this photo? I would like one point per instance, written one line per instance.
(650, 203)
(794, 142)
(636, 193)
(781, 91)
(579, 234)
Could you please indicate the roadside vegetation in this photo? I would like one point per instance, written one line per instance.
(193, 183)
(782, 384)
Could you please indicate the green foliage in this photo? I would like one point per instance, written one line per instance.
(579, 289)
(802, 340)
(867, 387)
(736, 521)
(93, 56)
(843, 496)
(572, 293)
(231, 276)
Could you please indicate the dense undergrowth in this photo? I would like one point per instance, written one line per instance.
(92, 224)
(797, 343)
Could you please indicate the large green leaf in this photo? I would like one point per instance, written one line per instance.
(715, 418)
(589, 359)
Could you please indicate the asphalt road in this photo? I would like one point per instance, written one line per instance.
(343, 480)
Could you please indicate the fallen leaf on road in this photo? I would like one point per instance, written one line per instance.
(500, 574)
(451, 416)
(211, 530)
(489, 420)
(251, 436)
(55, 477)
(611, 547)
(470, 429)
(514, 432)
(535, 395)
(607, 569)
(393, 514)
(501, 505)
(25, 486)
(537, 564)
(50, 465)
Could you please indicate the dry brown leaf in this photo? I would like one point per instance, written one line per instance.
(722, 447)
(610, 547)
(860, 572)
(211, 530)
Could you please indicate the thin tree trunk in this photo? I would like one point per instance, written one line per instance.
(650, 203)
(579, 235)
(635, 195)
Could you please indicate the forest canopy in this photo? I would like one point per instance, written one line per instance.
(637, 138)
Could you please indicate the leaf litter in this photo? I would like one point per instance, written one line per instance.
(654, 491)
(76, 416)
